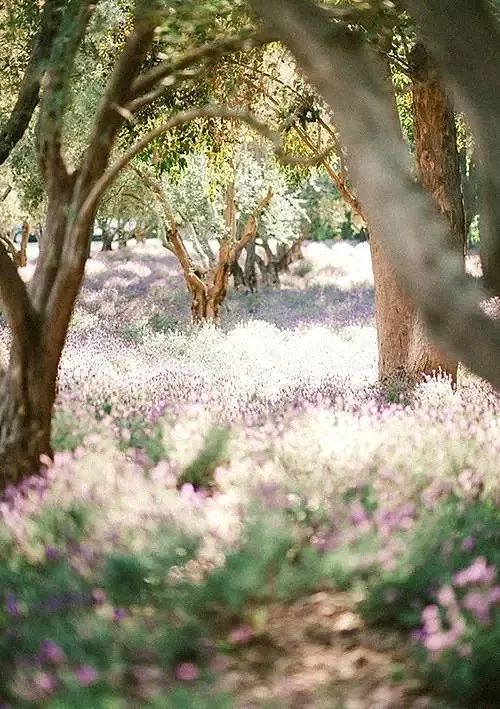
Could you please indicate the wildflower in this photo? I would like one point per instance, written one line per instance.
(241, 635)
(119, 614)
(51, 652)
(47, 683)
(477, 573)
(468, 544)
(86, 675)
(12, 605)
(187, 672)
(478, 604)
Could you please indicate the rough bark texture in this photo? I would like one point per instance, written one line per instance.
(13, 130)
(403, 344)
(393, 314)
(25, 417)
(439, 170)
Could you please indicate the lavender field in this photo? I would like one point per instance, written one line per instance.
(243, 517)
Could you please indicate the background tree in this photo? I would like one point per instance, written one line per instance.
(214, 211)
(39, 316)
(413, 232)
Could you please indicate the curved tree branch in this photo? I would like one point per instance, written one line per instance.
(17, 306)
(213, 111)
(145, 88)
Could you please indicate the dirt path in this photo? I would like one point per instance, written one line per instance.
(318, 654)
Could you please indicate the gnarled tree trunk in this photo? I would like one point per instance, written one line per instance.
(403, 344)
(439, 170)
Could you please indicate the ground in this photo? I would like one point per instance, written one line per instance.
(281, 406)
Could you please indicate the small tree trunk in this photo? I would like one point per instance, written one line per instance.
(250, 272)
(22, 256)
(107, 240)
(238, 275)
(289, 254)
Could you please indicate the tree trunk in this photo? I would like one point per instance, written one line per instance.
(107, 240)
(289, 254)
(27, 397)
(393, 315)
(250, 273)
(439, 169)
(22, 257)
(404, 347)
(238, 275)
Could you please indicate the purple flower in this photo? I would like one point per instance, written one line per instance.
(241, 635)
(494, 595)
(187, 672)
(468, 544)
(52, 553)
(478, 604)
(51, 652)
(119, 614)
(47, 683)
(430, 619)
(98, 595)
(478, 572)
(86, 675)
(358, 514)
(12, 605)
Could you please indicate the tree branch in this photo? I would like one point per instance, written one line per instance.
(145, 88)
(250, 229)
(18, 309)
(14, 128)
(406, 218)
(212, 111)
(56, 91)
(118, 91)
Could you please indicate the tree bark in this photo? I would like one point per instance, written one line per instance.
(393, 314)
(414, 234)
(403, 344)
(22, 257)
(250, 272)
(25, 417)
(107, 240)
(238, 275)
(438, 165)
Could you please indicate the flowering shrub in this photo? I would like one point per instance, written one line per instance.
(202, 475)
(445, 588)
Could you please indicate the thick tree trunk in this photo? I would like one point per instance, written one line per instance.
(404, 347)
(206, 304)
(107, 240)
(26, 399)
(439, 169)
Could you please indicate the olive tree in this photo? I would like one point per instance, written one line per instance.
(416, 236)
(39, 314)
